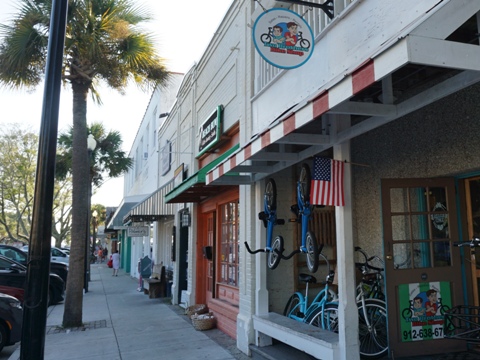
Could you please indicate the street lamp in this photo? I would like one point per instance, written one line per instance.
(91, 145)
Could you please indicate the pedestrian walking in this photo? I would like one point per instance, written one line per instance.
(100, 255)
(115, 262)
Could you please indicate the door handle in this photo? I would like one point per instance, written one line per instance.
(389, 257)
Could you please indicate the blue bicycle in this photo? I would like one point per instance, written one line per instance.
(269, 218)
(303, 211)
(322, 311)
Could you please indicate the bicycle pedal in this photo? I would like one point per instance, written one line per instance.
(262, 215)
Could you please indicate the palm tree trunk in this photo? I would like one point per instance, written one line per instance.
(72, 315)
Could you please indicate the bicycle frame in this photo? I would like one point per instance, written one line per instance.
(303, 210)
(303, 311)
(372, 309)
(269, 218)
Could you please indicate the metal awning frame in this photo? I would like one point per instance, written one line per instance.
(290, 139)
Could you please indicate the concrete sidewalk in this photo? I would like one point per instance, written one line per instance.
(122, 323)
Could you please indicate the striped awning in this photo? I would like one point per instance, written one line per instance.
(153, 208)
(401, 64)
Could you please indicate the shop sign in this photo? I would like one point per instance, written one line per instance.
(283, 38)
(210, 131)
(421, 307)
(178, 175)
(166, 157)
(138, 231)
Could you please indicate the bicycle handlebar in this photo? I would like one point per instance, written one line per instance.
(253, 251)
(367, 260)
(474, 242)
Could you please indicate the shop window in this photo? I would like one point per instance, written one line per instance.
(229, 271)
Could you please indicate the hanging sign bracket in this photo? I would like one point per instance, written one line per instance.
(327, 6)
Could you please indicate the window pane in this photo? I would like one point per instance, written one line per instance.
(401, 227)
(229, 244)
(421, 255)
(401, 256)
(441, 253)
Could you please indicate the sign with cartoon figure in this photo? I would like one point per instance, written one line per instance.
(422, 306)
(283, 38)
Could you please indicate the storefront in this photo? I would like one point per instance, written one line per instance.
(214, 246)
(397, 105)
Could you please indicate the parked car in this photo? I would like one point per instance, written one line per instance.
(14, 253)
(58, 254)
(13, 274)
(11, 315)
(15, 292)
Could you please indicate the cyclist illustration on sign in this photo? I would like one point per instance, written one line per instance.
(287, 36)
(291, 34)
(283, 38)
(277, 37)
(422, 308)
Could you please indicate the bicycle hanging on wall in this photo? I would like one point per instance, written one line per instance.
(303, 211)
(269, 218)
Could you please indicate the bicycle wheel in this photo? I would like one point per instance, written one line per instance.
(326, 319)
(275, 254)
(304, 43)
(271, 195)
(312, 252)
(372, 330)
(305, 182)
(266, 38)
(293, 306)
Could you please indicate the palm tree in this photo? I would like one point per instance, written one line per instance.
(108, 160)
(103, 43)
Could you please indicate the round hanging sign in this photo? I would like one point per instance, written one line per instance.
(283, 38)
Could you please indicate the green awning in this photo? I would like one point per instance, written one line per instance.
(194, 188)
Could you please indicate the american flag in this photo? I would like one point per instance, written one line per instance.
(327, 182)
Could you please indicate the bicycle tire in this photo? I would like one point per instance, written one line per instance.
(273, 258)
(325, 318)
(265, 38)
(374, 339)
(293, 306)
(304, 43)
(305, 181)
(312, 251)
(407, 313)
(271, 195)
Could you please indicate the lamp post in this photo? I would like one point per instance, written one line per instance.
(91, 145)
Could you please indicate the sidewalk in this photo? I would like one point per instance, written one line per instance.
(122, 323)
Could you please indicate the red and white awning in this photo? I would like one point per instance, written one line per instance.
(451, 65)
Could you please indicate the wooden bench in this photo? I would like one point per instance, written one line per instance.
(310, 339)
(157, 287)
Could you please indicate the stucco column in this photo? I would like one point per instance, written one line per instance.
(261, 293)
(347, 309)
(245, 332)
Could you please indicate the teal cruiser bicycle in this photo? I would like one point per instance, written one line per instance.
(323, 310)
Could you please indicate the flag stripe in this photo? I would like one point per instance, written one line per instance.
(327, 182)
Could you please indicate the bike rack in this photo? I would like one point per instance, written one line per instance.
(463, 322)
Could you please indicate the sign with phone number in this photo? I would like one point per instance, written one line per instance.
(421, 307)
(420, 334)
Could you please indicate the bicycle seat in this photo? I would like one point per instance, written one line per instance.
(307, 278)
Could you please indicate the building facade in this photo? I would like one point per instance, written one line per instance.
(390, 90)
